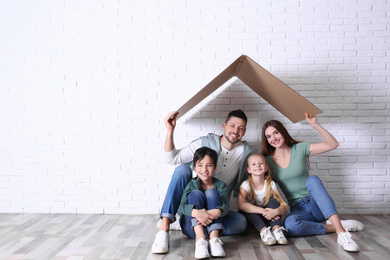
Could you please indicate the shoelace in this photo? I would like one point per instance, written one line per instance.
(217, 240)
(347, 237)
(267, 233)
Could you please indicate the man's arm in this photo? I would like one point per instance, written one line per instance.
(170, 123)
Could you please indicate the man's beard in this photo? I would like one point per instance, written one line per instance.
(229, 139)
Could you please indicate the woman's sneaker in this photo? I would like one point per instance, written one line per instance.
(267, 237)
(216, 248)
(346, 241)
(279, 236)
(201, 249)
(350, 225)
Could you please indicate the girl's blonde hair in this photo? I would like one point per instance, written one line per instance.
(269, 192)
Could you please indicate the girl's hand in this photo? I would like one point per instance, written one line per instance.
(271, 214)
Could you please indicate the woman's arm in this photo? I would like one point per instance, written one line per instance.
(330, 142)
(245, 205)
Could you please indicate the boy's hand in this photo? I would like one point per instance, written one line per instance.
(202, 217)
(216, 213)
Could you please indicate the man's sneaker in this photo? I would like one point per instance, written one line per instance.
(267, 237)
(350, 225)
(161, 243)
(216, 248)
(279, 236)
(175, 226)
(201, 249)
(346, 241)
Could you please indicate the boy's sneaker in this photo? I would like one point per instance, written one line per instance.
(279, 236)
(350, 225)
(161, 243)
(216, 248)
(201, 250)
(175, 226)
(346, 241)
(267, 237)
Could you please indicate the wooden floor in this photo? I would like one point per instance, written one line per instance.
(71, 236)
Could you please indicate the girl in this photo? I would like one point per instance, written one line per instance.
(266, 204)
(310, 204)
(204, 203)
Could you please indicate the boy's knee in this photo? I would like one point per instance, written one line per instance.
(196, 194)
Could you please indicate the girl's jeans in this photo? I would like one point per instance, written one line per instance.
(307, 214)
(233, 222)
(208, 200)
(259, 221)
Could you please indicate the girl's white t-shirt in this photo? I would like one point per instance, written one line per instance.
(260, 194)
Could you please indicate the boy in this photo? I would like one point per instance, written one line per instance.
(203, 204)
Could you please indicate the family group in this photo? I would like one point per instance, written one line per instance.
(226, 165)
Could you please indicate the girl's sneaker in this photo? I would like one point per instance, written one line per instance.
(216, 248)
(267, 237)
(279, 236)
(201, 249)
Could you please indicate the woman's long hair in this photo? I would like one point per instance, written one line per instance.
(266, 148)
(269, 192)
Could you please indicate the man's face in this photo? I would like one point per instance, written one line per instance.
(234, 129)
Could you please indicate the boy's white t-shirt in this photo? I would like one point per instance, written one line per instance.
(260, 194)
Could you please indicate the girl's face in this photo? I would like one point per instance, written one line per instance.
(257, 165)
(274, 137)
(205, 168)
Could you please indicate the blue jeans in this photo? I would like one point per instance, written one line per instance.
(208, 200)
(180, 178)
(233, 222)
(259, 221)
(307, 214)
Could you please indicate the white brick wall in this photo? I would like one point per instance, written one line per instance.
(85, 85)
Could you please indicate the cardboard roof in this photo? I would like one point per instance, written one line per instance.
(275, 92)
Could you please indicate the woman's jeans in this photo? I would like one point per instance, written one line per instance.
(208, 200)
(259, 221)
(233, 222)
(307, 214)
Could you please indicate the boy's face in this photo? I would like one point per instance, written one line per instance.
(205, 168)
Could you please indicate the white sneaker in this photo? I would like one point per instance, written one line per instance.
(201, 249)
(267, 237)
(216, 248)
(161, 243)
(346, 241)
(350, 225)
(279, 236)
(175, 226)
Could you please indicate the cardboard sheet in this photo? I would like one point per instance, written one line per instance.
(275, 92)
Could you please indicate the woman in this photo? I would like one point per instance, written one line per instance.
(310, 203)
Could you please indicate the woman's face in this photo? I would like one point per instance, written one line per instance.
(273, 136)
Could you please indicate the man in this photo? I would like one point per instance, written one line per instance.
(231, 169)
